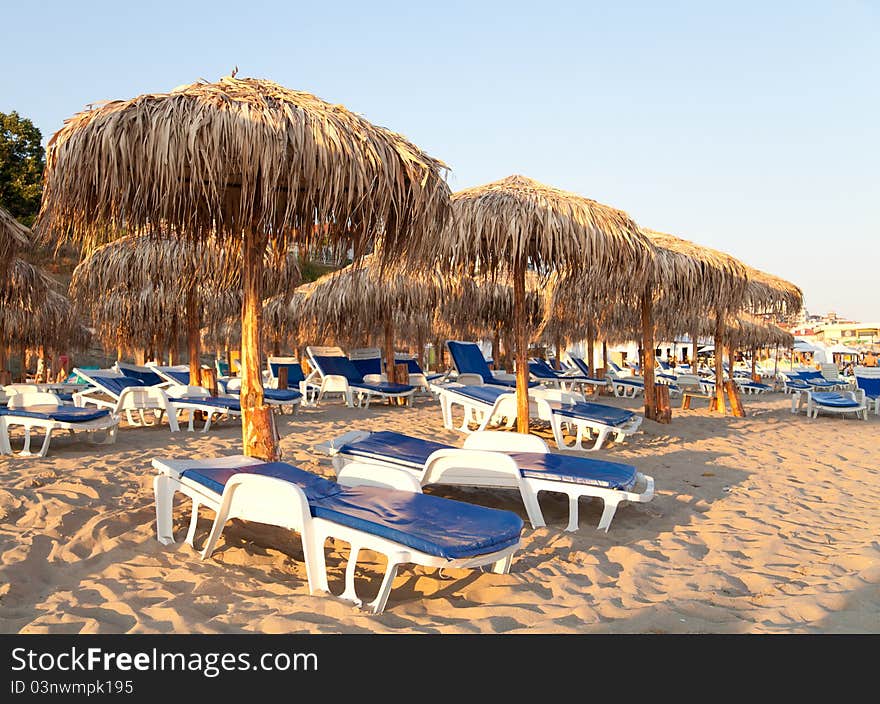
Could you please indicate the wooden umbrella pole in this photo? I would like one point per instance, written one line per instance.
(604, 358)
(694, 368)
(520, 343)
(258, 428)
(775, 361)
(192, 337)
(648, 356)
(496, 348)
(590, 351)
(558, 363)
(720, 405)
(755, 364)
(388, 329)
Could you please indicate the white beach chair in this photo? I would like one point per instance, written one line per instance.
(868, 380)
(406, 527)
(834, 402)
(111, 389)
(489, 459)
(334, 373)
(45, 411)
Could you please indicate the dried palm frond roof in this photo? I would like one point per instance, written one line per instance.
(144, 261)
(49, 320)
(14, 237)
(366, 294)
(238, 154)
(478, 304)
(25, 284)
(768, 293)
(520, 219)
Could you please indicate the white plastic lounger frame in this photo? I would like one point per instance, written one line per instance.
(813, 404)
(624, 386)
(191, 405)
(276, 502)
(582, 427)
(483, 462)
(132, 400)
(475, 410)
(338, 384)
(100, 431)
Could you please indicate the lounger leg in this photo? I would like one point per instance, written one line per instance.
(608, 513)
(5, 447)
(26, 450)
(316, 564)
(377, 606)
(349, 593)
(556, 425)
(216, 530)
(210, 416)
(193, 522)
(164, 495)
(533, 508)
(45, 448)
(503, 565)
(572, 512)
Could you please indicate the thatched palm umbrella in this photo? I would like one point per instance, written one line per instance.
(516, 223)
(482, 306)
(21, 292)
(366, 296)
(247, 160)
(771, 295)
(14, 237)
(182, 280)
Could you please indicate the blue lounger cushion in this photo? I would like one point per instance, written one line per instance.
(600, 412)
(294, 371)
(834, 400)
(146, 378)
(180, 377)
(413, 453)
(469, 360)
(431, 524)
(343, 366)
(384, 387)
(628, 381)
(233, 404)
(870, 385)
(281, 395)
(115, 385)
(487, 394)
(62, 414)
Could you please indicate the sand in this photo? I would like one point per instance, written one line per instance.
(763, 524)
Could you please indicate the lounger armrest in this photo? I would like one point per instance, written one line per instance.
(503, 375)
(469, 379)
(364, 474)
(374, 378)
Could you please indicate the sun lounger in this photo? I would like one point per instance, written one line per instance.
(277, 398)
(120, 393)
(194, 399)
(544, 374)
(145, 374)
(810, 379)
(588, 377)
(491, 459)
(747, 385)
(564, 411)
(45, 411)
(625, 386)
(368, 362)
(406, 527)
(836, 402)
(472, 368)
(868, 380)
(335, 373)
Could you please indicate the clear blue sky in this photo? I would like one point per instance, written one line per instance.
(750, 127)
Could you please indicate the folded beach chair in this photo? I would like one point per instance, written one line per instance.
(837, 402)
(490, 459)
(119, 393)
(45, 411)
(405, 526)
(472, 368)
(336, 373)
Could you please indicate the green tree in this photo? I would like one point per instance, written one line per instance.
(22, 159)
